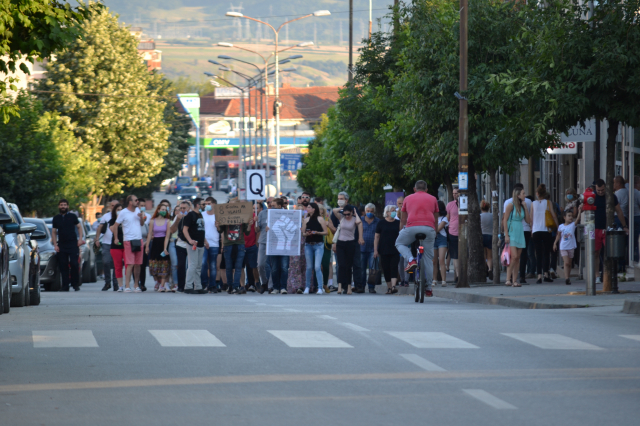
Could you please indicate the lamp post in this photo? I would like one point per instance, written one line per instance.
(278, 104)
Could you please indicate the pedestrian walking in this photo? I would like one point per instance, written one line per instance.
(181, 244)
(103, 239)
(440, 246)
(209, 270)
(369, 224)
(346, 247)
(452, 218)
(403, 277)
(67, 236)
(251, 254)
(486, 224)
(567, 239)
(513, 223)
(298, 264)
(194, 232)
(95, 225)
(264, 268)
(384, 247)
(132, 220)
(142, 205)
(526, 228)
(314, 229)
(327, 270)
(279, 264)
(116, 247)
(159, 236)
(419, 216)
(233, 238)
(173, 255)
(343, 199)
(541, 232)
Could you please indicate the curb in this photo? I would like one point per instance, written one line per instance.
(631, 307)
(503, 301)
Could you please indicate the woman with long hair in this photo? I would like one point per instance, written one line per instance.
(514, 215)
(346, 245)
(440, 246)
(117, 250)
(486, 224)
(384, 247)
(541, 234)
(159, 260)
(314, 228)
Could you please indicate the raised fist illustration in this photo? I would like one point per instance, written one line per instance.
(285, 229)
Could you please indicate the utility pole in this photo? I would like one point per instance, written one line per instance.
(350, 71)
(463, 157)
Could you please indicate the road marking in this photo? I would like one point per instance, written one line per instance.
(552, 341)
(186, 338)
(490, 400)
(261, 304)
(309, 339)
(354, 327)
(631, 336)
(431, 340)
(327, 317)
(251, 300)
(291, 310)
(421, 362)
(64, 339)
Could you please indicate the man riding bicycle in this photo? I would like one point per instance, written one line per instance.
(420, 215)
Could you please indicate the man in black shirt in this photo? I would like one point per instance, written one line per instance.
(601, 220)
(66, 242)
(193, 230)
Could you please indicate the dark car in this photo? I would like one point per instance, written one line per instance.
(49, 272)
(180, 182)
(189, 193)
(204, 187)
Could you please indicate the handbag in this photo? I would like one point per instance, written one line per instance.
(548, 219)
(375, 274)
(505, 257)
(136, 245)
(336, 235)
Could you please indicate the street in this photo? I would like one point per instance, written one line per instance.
(105, 358)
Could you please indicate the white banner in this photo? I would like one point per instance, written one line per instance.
(256, 182)
(283, 238)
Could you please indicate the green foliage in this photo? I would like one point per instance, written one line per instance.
(31, 170)
(31, 29)
(105, 90)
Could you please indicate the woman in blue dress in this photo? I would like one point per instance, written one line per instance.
(515, 213)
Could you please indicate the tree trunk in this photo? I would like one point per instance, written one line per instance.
(612, 133)
(496, 226)
(449, 186)
(477, 271)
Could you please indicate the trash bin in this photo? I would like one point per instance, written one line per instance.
(616, 244)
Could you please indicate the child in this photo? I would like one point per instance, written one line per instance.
(567, 237)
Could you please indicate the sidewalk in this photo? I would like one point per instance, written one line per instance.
(556, 295)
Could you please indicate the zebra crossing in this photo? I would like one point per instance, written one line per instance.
(318, 339)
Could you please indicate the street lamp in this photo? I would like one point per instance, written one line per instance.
(278, 103)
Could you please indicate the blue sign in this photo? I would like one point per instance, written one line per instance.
(291, 162)
(235, 142)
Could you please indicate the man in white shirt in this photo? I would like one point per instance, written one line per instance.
(210, 257)
(105, 240)
(132, 220)
(524, 257)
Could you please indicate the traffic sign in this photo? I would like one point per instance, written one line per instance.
(256, 182)
(291, 162)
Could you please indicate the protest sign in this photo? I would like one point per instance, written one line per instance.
(234, 213)
(283, 238)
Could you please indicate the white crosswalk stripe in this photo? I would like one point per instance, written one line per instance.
(64, 339)
(309, 339)
(354, 327)
(491, 400)
(421, 362)
(186, 338)
(631, 336)
(552, 341)
(431, 340)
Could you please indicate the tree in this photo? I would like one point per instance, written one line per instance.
(31, 168)
(31, 29)
(599, 78)
(100, 83)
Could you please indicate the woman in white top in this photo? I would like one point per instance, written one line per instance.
(541, 234)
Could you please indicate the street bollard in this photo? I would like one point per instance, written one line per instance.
(590, 252)
(616, 251)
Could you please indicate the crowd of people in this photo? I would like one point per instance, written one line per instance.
(187, 250)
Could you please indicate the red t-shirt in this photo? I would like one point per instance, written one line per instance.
(421, 207)
(250, 240)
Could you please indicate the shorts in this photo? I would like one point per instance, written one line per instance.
(453, 246)
(487, 241)
(440, 242)
(600, 239)
(131, 258)
(565, 253)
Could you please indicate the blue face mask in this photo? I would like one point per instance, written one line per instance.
(569, 196)
(207, 208)
(143, 209)
(369, 215)
(393, 215)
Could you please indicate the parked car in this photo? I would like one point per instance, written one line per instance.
(50, 277)
(224, 185)
(90, 265)
(81, 255)
(180, 182)
(204, 188)
(189, 193)
(7, 226)
(20, 259)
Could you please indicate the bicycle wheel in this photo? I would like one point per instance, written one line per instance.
(416, 282)
(422, 284)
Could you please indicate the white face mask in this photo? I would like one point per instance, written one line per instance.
(341, 203)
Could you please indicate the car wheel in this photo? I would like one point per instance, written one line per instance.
(57, 282)
(27, 296)
(6, 299)
(35, 293)
(94, 274)
(18, 300)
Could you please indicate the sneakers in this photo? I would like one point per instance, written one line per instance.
(142, 288)
(116, 288)
(434, 282)
(283, 291)
(306, 291)
(320, 291)
(372, 290)
(428, 293)
(137, 290)
(299, 291)
(443, 284)
(411, 266)
(553, 274)
(242, 290)
(106, 287)
(272, 291)
(548, 280)
(568, 282)
(120, 290)
(127, 290)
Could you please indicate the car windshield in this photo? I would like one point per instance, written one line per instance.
(184, 180)
(17, 216)
(189, 190)
(40, 226)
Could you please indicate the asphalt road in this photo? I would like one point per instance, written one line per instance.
(105, 358)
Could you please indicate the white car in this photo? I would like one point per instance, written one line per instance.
(19, 259)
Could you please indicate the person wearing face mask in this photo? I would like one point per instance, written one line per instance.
(159, 260)
(210, 256)
(573, 201)
(66, 243)
(336, 217)
(181, 244)
(194, 232)
(369, 224)
(384, 247)
(116, 246)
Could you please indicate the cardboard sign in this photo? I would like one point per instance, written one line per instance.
(234, 213)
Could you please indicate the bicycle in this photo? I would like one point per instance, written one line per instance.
(419, 281)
